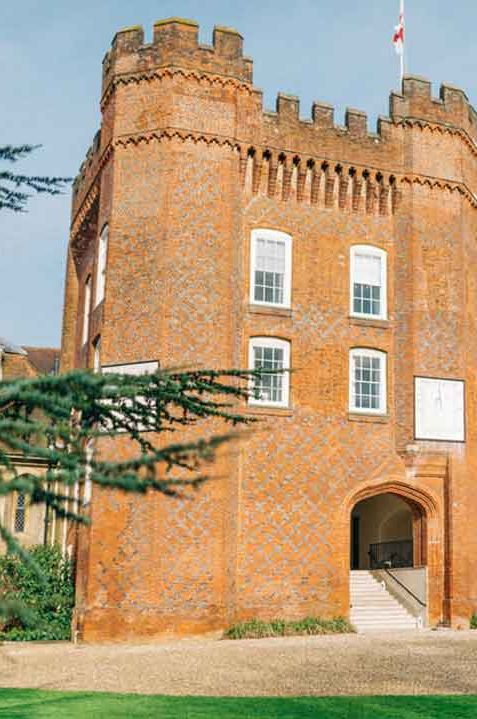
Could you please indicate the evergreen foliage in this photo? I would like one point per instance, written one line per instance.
(14, 187)
(62, 419)
(47, 599)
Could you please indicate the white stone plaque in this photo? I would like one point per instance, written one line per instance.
(439, 409)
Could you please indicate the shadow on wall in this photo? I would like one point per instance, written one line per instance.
(385, 524)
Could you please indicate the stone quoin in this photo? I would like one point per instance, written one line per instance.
(209, 232)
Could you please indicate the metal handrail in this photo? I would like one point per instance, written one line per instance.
(398, 581)
(419, 601)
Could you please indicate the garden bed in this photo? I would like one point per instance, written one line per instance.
(258, 629)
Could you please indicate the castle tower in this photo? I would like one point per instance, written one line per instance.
(209, 232)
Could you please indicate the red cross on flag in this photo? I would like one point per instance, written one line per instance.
(398, 37)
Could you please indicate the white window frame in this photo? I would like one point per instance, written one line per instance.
(97, 355)
(87, 308)
(364, 352)
(277, 235)
(88, 484)
(284, 345)
(101, 264)
(383, 256)
(20, 499)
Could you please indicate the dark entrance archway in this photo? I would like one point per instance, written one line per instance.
(428, 535)
(387, 530)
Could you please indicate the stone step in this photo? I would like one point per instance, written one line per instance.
(394, 614)
(380, 609)
(362, 578)
(365, 596)
(366, 601)
(358, 616)
(371, 612)
(385, 628)
(369, 598)
(366, 587)
(372, 607)
(369, 578)
(383, 625)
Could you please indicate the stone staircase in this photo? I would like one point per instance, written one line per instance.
(373, 608)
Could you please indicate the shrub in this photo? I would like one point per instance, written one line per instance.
(48, 599)
(257, 629)
(473, 621)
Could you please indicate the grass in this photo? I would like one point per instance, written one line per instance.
(37, 704)
(257, 629)
(473, 621)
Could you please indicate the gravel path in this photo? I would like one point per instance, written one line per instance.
(428, 662)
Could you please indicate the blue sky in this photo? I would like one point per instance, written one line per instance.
(51, 52)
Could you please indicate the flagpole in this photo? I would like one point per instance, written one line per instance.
(404, 43)
(402, 68)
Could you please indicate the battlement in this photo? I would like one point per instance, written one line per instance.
(452, 107)
(86, 172)
(287, 115)
(175, 44)
(176, 41)
(176, 87)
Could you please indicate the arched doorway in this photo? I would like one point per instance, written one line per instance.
(387, 530)
(428, 537)
(388, 544)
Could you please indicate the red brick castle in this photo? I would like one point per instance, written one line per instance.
(209, 232)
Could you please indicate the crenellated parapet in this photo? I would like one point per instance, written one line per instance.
(86, 173)
(451, 110)
(177, 90)
(176, 42)
(175, 56)
(322, 116)
(452, 107)
(286, 117)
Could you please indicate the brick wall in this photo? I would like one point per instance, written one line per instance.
(187, 163)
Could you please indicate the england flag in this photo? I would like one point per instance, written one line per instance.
(398, 37)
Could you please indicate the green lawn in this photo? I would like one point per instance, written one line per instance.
(36, 704)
